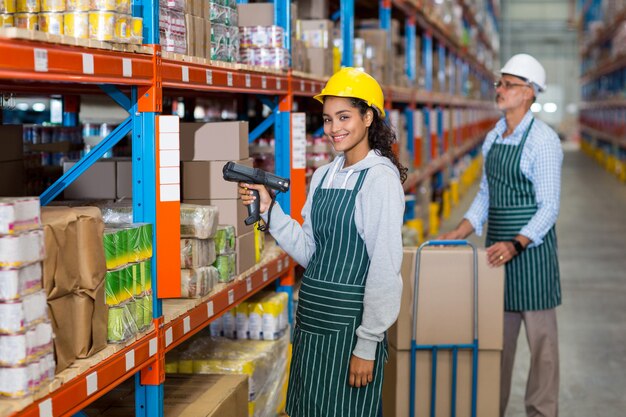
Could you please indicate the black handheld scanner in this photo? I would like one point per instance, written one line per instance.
(240, 173)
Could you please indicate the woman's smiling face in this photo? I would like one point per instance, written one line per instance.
(344, 126)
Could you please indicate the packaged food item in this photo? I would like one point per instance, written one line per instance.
(7, 6)
(53, 5)
(18, 349)
(76, 24)
(21, 249)
(28, 21)
(121, 325)
(21, 381)
(226, 266)
(17, 213)
(196, 253)
(107, 5)
(198, 221)
(142, 277)
(51, 23)
(77, 5)
(18, 282)
(6, 20)
(122, 6)
(122, 28)
(102, 25)
(198, 282)
(16, 315)
(225, 239)
(262, 37)
(113, 248)
(277, 58)
(136, 30)
(27, 6)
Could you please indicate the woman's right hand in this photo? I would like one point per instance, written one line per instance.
(247, 198)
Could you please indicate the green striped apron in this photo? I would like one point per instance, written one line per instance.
(330, 309)
(532, 277)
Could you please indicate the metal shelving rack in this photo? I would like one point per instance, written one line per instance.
(136, 81)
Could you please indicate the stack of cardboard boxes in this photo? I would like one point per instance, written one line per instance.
(445, 315)
(204, 150)
(11, 161)
(198, 28)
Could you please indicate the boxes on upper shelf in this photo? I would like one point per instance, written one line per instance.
(204, 180)
(219, 141)
(106, 179)
(256, 14)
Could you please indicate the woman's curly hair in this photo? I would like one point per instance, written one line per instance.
(380, 136)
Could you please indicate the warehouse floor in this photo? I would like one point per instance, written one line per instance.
(592, 320)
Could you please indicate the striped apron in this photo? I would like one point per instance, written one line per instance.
(330, 309)
(532, 277)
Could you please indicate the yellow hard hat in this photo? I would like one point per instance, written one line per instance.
(352, 82)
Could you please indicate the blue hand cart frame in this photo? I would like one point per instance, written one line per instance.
(435, 348)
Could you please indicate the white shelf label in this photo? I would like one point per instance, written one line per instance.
(231, 296)
(312, 87)
(280, 265)
(278, 84)
(229, 79)
(185, 74)
(152, 347)
(248, 284)
(130, 360)
(265, 275)
(127, 67)
(209, 77)
(92, 383)
(298, 140)
(169, 192)
(301, 85)
(248, 81)
(45, 408)
(41, 60)
(88, 64)
(170, 175)
(169, 141)
(186, 325)
(209, 309)
(264, 82)
(169, 337)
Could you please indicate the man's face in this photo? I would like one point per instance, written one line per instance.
(512, 92)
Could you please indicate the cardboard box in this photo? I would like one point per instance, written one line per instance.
(397, 382)
(245, 249)
(206, 11)
(205, 180)
(207, 40)
(320, 61)
(220, 141)
(445, 304)
(12, 174)
(315, 33)
(124, 179)
(199, 37)
(11, 143)
(231, 212)
(98, 182)
(190, 33)
(313, 9)
(196, 7)
(256, 14)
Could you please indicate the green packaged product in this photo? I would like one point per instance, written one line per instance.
(112, 287)
(226, 267)
(132, 307)
(147, 276)
(117, 328)
(225, 239)
(111, 245)
(126, 284)
(147, 311)
(145, 241)
(133, 243)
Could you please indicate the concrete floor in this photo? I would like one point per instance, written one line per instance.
(592, 320)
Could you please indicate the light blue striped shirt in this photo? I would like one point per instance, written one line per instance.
(542, 158)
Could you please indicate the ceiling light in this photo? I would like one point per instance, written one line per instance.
(22, 106)
(535, 108)
(39, 107)
(549, 107)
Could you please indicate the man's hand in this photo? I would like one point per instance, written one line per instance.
(463, 230)
(361, 372)
(500, 253)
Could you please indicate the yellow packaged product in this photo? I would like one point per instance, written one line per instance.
(104, 5)
(122, 28)
(28, 21)
(7, 6)
(78, 5)
(27, 6)
(102, 25)
(7, 21)
(76, 24)
(52, 5)
(51, 23)
(122, 6)
(136, 30)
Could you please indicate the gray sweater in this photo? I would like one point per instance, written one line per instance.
(378, 216)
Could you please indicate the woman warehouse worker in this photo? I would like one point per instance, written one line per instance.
(351, 246)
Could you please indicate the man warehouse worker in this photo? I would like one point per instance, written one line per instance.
(519, 198)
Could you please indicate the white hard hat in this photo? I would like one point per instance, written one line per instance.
(527, 67)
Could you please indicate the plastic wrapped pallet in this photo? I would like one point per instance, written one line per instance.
(18, 282)
(198, 221)
(24, 380)
(225, 239)
(195, 253)
(126, 243)
(21, 249)
(197, 282)
(19, 214)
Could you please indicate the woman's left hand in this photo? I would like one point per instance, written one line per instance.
(500, 253)
(361, 372)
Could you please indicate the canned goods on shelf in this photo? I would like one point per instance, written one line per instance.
(26, 21)
(122, 28)
(78, 5)
(102, 25)
(110, 5)
(7, 6)
(52, 5)
(277, 58)
(122, 6)
(136, 30)
(261, 37)
(51, 23)
(27, 6)
(7, 21)
(76, 24)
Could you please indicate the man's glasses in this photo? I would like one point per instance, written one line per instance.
(508, 85)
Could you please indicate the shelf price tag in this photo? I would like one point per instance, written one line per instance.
(301, 85)
(248, 284)
(209, 77)
(280, 265)
(229, 79)
(209, 309)
(152, 347)
(45, 408)
(265, 275)
(231, 296)
(186, 325)
(169, 337)
(127, 67)
(92, 383)
(264, 82)
(185, 70)
(130, 360)
(312, 87)
(41, 60)
(278, 84)
(88, 64)
(248, 81)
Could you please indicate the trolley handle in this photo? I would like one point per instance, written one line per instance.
(446, 243)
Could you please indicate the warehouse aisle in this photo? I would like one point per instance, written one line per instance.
(592, 319)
